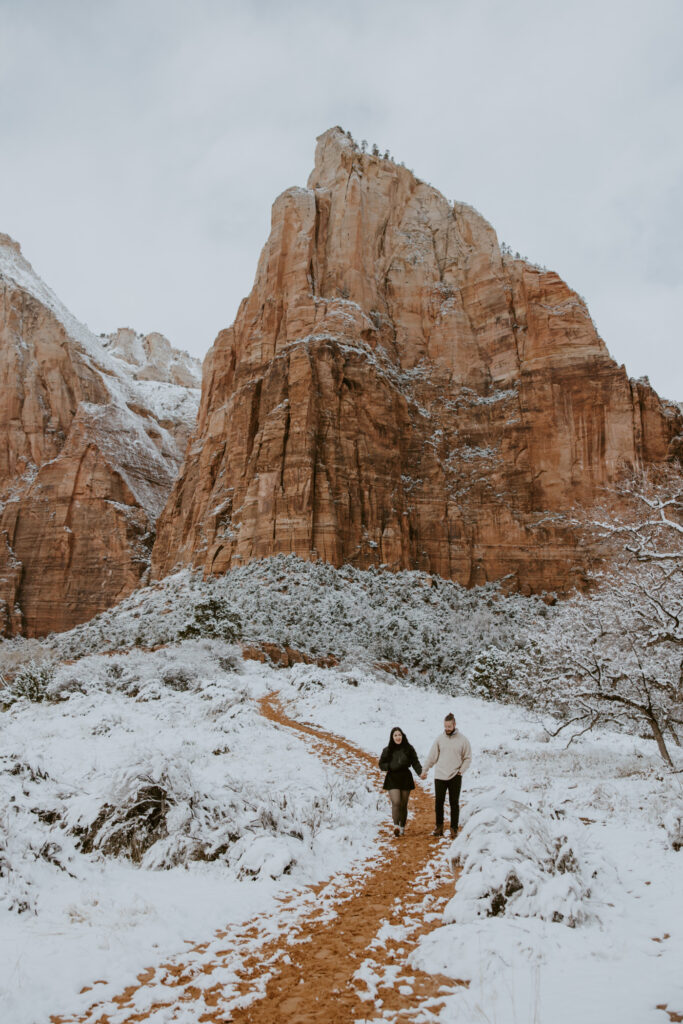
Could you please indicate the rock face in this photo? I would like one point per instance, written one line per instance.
(397, 391)
(88, 454)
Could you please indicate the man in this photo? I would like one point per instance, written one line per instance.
(451, 756)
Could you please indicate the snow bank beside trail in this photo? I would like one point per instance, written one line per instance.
(144, 802)
(522, 862)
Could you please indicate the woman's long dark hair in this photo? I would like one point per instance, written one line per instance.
(405, 742)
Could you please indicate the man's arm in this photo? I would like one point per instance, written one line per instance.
(432, 758)
(466, 756)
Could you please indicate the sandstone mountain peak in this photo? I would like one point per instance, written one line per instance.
(6, 242)
(334, 153)
(337, 155)
(398, 391)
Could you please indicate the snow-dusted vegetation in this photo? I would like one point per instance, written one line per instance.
(160, 759)
(422, 628)
(611, 657)
(144, 796)
(117, 769)
(518, 860)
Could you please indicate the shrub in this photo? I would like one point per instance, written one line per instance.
(673, 823)
(31, 682)
(213, 618)
(518, 862)
(134, 820)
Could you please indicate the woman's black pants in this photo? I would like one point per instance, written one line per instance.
(452, 787)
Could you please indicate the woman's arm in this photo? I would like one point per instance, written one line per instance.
(384, 760)
(415, 762)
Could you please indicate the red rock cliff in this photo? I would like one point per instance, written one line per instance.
(396, 390)
(88, 454)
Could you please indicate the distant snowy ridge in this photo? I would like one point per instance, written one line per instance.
(153, 358)
(126, 380)
(138, 387)
(15, 267)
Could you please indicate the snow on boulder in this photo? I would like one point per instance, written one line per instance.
(264, 856)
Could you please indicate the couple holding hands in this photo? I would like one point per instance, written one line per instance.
(451, 756)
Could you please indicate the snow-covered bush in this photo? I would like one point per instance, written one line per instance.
(31, 681)
(673, 823)
(144, 805)
(490, 673)
(19, 651)
(213, 618)
(420, 628)
(159, 815)
(507, 676)
(516, 861)
(31, 843)
(148, 676)
(14, 889)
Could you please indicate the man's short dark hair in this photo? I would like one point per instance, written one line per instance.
(450, 717)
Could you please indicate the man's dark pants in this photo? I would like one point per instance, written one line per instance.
(452, 787)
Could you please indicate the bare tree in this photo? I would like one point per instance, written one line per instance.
(616, 657)
(650, 536)
(608, 676)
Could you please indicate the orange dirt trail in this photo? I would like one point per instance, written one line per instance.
(305, 975)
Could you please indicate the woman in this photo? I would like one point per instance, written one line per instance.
(397, 759)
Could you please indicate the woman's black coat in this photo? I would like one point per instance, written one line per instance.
(397, 764)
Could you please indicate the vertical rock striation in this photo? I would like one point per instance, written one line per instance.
(397, 391)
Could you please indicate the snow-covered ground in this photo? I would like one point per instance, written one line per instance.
(163, 759)
(145, 803)
(583, 829)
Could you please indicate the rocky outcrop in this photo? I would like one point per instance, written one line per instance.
(88, 454)
(398, 391)
(152, 357)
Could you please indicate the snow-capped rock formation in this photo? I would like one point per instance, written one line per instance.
(89, 446)
(152, 357)
(397, 390)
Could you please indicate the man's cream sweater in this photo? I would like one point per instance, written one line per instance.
(451, 755)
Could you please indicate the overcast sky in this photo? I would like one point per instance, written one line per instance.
(142, 144)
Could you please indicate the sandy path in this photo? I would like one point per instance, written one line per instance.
(337, 954)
